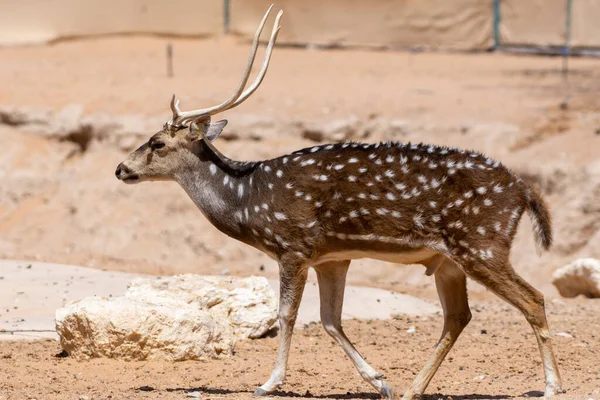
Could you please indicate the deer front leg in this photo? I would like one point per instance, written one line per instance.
(332, 282)
(291, 286)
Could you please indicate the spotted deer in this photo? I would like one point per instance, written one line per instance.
(453, 211)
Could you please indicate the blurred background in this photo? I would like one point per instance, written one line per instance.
(85, 82)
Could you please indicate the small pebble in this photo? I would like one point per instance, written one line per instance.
(564, 334)
(411, 330)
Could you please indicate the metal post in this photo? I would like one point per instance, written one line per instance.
(566, 52)
(496, 23)
(226, 15)
(169, 60)
(566, 49)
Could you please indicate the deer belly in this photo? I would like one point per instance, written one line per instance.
(408, 256)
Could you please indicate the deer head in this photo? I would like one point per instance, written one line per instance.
(185, 138)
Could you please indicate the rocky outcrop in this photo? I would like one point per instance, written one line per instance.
(185, 317)
(580, 277)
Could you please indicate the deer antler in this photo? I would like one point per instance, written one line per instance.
(181, 117)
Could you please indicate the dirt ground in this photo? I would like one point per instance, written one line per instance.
(495, 358)
(60, 202)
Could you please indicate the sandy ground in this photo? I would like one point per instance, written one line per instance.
(495, 358)
(60, 202)
(30, 293)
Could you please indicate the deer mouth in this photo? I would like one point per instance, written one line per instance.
(131, 178)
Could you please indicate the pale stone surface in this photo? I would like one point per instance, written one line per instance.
(582, 276)
(184, 317)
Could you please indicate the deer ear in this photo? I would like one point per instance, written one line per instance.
(198, 128)
(214, 130)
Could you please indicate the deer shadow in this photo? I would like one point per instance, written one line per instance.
(354, 395)
(280, 393)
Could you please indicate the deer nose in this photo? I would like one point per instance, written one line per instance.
(121, 169)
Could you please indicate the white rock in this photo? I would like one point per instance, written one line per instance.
(582, 276)
(185, 317)
(563, 334)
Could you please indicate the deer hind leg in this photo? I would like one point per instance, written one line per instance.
(292, 282)
(451, 285)
(510, 287)
(332, 281)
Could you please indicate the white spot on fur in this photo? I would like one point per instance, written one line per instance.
(213, 169)
(382, 211)
(310, 161)
(418, 220)
(279, 173)
(481, 190)
(389, 173)
(338, 167)
(353, 160)
(481, 230)
(240, 190)
(351, 178)
(280, 216)
(390, 196)
(487, 202)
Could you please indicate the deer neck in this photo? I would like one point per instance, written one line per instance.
(220, 187)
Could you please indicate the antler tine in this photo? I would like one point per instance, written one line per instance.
(265, 66)
(175, 108)
(187, 115)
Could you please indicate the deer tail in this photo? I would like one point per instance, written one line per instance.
(540, 219)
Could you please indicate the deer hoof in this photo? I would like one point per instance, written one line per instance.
(552, 391)
(386, 391)
(260, 392)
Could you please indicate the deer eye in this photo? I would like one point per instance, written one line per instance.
(156, 145)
